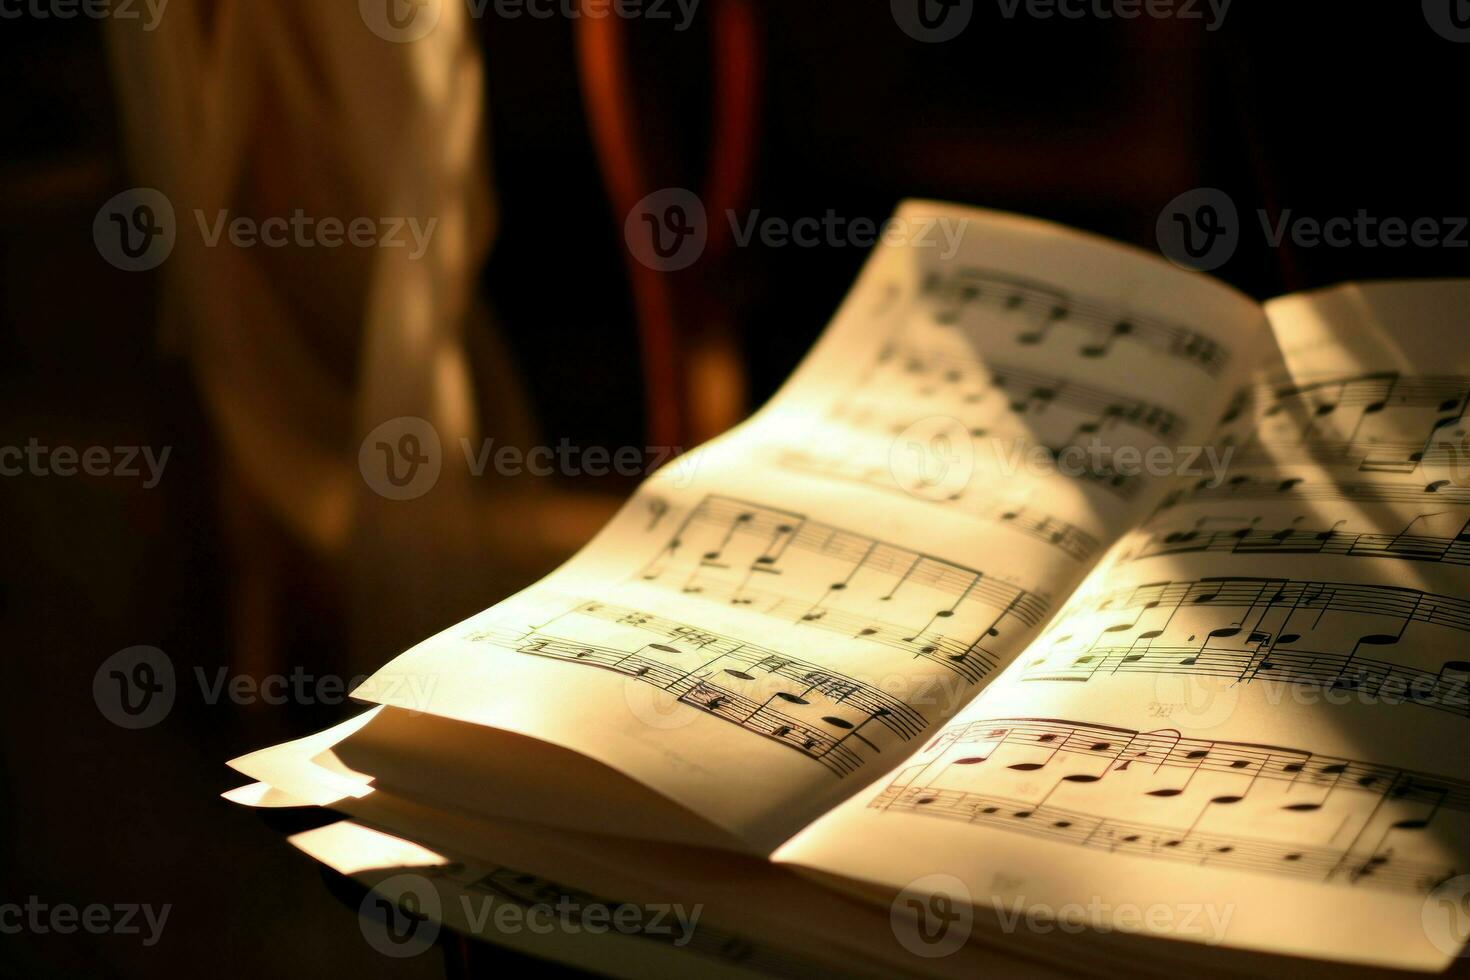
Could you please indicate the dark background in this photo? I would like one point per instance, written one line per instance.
(1321, 108)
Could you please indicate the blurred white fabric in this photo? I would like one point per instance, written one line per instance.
(269, 107)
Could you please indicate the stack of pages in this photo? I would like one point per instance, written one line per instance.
(1066, 612)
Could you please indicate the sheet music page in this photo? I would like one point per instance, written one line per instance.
(1250, 720)
(776, 618)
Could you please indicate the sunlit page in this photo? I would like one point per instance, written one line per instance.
(1257, 705)
(777, 618)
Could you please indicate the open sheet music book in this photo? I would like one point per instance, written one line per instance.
(1072, 605)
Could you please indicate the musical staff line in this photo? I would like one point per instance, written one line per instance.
(1381, 422)
(783, 565)
(1337, 820)
(754, 687)
(1155, 841)
(1435, 492)
(1409, 605)
(1026, 391)
(1071, 540)
(1252, 540)
(1447, 689)
(1384, 456)
(1003, 403)
(1372, 393)
(1047, 309)
(1168, 749)
(1282, 632)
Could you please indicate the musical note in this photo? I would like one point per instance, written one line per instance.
(657, 508)
(1243, 486)
(1260, 808)
(1042, 310)
(821, 714)
(1381, 422)
(1071, 540)
(1009, 390)
(997, 401)
(1252, 629)
(783, 565)
(1293, 540)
